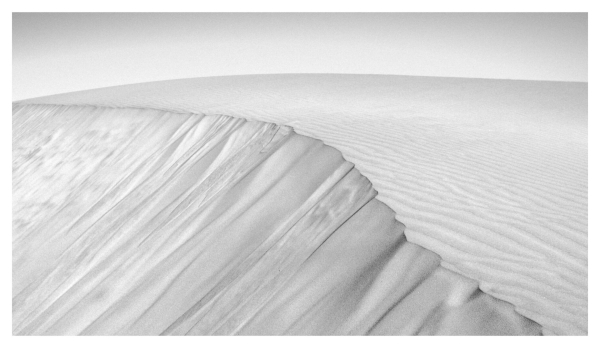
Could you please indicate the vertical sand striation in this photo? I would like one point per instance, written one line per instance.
(489, 174)
(147, 222)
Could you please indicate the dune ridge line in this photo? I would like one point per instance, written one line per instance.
(179, 225)
(489, 174)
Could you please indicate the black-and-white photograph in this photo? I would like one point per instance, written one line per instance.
(299, 173)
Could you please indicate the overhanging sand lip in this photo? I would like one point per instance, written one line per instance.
(490, 174)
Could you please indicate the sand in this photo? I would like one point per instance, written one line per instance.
(145, 222)
(489, 174)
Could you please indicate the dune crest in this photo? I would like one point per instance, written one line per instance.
(489, 174)
(131, 221)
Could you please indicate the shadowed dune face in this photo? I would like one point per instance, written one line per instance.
(489, 174)
(145, 222)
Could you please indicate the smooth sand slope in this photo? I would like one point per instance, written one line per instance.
(489, 174)
(131, 221)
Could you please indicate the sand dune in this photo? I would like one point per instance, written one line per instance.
(489, 174)
(145, 222)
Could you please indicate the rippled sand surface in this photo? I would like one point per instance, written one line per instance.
(145, 222)
(489, 174)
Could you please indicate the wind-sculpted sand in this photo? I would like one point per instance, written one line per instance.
(130, 221)
(489, 174)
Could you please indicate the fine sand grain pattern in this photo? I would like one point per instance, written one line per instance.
(188, 224)
(192, 207)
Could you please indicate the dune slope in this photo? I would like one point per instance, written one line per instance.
(489, 174)
(146, 222)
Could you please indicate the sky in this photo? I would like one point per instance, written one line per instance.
(65, 52)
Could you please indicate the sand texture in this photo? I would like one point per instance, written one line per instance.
(146, 222)
(489, 174)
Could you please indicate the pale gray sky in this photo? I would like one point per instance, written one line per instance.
(56, 52)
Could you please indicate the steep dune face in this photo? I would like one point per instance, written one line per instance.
(489, 174)
(133, 221)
